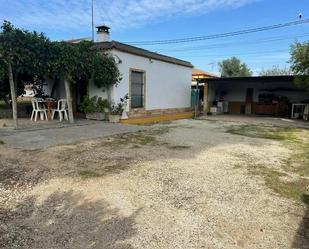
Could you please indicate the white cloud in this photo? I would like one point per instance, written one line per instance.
(76, 14)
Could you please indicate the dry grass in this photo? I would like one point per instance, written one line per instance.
(136, 140)
(85, 174)
(295, 168)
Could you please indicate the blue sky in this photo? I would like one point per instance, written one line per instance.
(142, 20)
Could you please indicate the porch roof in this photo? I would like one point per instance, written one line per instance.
(264, 79)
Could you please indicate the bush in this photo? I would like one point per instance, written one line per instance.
(117, 109)
(94, 104)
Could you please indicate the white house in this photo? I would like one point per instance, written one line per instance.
(157, 85)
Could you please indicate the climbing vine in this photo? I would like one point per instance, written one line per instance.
(30, 57)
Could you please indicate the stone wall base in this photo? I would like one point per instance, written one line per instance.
(156, 116)
(137, 113)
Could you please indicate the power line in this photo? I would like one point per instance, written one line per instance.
(222, 35)
(231, 44)
(239, 54)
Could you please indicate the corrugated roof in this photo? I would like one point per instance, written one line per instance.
(139, 51)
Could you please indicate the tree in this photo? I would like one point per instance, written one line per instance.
(29, 57)
(300, 64)
(275, 71)
(20, 60)
(233, 68)
(4, 83)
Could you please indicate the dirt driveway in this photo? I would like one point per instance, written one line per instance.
(185, 184)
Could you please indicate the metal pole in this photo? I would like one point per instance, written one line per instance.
(92, 20)
(197, 99)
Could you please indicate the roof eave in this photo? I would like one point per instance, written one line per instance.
(113, 45)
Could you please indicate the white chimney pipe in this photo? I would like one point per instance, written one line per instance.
(103, 34)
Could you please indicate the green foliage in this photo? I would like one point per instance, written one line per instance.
(34, 57)
(70, 61)
(117, 109)
(26, 52)
(94, 104)
(233, 68)
(275, 71)
(4, 80)
(74, 61)
(105, 71)
(300, 64)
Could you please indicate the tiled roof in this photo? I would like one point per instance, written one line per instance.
(199, 72)
(139, 51)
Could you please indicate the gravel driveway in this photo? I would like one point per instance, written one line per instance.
(183, 184)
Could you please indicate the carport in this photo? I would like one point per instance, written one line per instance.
(261, 95)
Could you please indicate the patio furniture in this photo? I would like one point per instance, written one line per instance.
(50, 103)
(62, 108)
(295, 114)
(37, 110)
(306, 113)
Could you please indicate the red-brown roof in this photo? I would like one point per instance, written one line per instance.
(199, 72)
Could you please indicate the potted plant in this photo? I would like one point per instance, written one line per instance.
(117, 110)
(95, 108)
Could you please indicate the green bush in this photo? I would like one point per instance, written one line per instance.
(117, 109)
(94, 104)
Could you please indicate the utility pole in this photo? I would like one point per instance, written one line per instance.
(92, 19)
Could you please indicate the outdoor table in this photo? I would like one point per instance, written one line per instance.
(49, 104)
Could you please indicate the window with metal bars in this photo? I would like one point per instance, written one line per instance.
(137, 89)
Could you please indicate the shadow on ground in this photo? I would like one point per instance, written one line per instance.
(65, 220)
(301, 240)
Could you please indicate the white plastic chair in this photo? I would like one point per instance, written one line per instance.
(62, 108)
(306, 113)
(36, 109)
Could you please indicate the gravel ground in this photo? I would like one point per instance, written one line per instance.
(177, 185)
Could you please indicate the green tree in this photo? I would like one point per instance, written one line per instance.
(275, 71)
(4, 83)
(300, 64)
(29, 57)
(233, 68)
(21, 54)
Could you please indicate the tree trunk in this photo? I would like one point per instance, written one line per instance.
(69, 100)
(13, 95)
(109, 93)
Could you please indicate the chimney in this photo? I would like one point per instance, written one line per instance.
(102, 33)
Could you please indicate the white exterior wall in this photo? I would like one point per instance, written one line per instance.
(93, 90)
(59, 91)
(167, 85)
